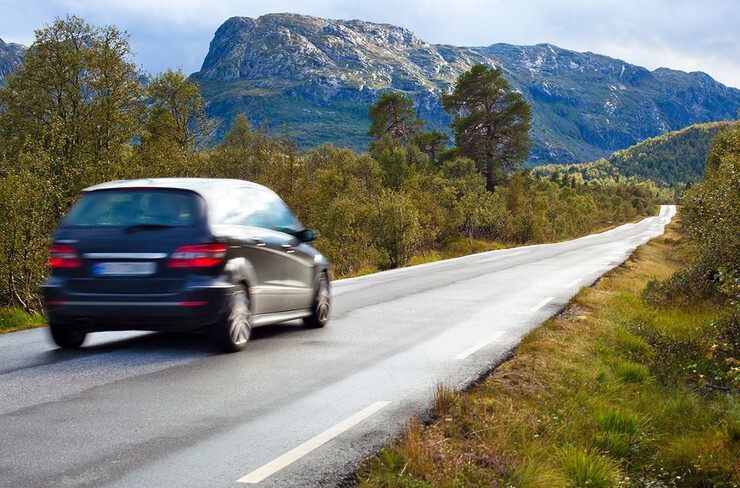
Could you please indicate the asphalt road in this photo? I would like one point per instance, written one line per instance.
(298, 407)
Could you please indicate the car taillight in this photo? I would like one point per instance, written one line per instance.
(61, 256)
(197, 256)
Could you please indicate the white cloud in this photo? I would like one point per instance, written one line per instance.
(680, 34)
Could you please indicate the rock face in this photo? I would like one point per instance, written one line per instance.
(11, 55)
(316, 77)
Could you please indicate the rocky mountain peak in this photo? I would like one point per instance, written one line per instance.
(318, 77)
(353, 53)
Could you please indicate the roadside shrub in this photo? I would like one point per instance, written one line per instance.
(631, 372)
(686, 288)
(623, 433)
(589, 468)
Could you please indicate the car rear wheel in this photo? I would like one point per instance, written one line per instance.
(232, 332)
(321, 305)
(65, 338)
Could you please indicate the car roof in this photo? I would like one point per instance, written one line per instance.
(198, 185)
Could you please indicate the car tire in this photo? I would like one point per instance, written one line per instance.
(233, 331)
(66, 338)
(321, 305)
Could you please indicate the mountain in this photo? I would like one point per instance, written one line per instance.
(11, 55)
(317, 77)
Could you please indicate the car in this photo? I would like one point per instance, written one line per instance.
(221, 256)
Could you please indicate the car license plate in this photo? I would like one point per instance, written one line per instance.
(124, 269)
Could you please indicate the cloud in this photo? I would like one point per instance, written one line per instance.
(680, 34)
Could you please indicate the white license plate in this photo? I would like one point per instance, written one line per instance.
(124, 269)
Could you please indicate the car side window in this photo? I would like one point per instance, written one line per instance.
(282, 217)
(254, 212)
(240, 206)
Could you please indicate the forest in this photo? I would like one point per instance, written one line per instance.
(673, 161)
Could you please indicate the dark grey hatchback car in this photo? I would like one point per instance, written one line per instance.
(182, 254)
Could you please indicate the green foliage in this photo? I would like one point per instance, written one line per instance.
(490, 122)
(176, 125)
(393, 114)
(66, 117)
(432, 143)
(12, 319)
(27, 220)
(674, 159)
(73, 102)
(670, 163)
(709, 355)
(712, 216)
(631, 372)
(396, 228)
(589, 468)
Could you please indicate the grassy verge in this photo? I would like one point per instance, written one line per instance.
(612, 392)
(13, 319)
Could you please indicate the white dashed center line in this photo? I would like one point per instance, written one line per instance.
(294, 455)
(541, 304)
(480, 345)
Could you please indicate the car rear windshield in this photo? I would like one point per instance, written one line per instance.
(135, 207)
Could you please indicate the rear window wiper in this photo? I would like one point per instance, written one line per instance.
(137, 227)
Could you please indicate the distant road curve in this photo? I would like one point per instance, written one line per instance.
(299, 407)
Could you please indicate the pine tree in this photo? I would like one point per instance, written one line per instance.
(490, 122)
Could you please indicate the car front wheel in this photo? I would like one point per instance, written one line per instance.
(321, 305)
(233, 331)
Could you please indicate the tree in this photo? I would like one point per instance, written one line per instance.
(66, 117)
(711, 214)
(432, 143)
(394, 114)
(396, 230)
(177, 123)
(393, 160)
(75, 99)
(490, 123)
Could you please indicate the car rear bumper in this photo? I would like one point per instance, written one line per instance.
(193, 308)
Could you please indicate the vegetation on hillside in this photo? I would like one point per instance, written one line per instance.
(674, 160)
(64, 129)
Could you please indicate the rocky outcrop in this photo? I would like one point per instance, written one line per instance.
(11, 55)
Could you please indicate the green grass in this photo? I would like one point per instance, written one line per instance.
(613, 392)
(13, 319)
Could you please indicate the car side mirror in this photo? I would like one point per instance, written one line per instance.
(307, 235)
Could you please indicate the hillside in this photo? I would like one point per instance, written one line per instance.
(674, 159)
(11, 55)
(317, 77)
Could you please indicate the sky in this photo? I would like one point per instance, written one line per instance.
(687, 35)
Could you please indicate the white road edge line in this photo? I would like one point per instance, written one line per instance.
(573, 283)
(541, 304)
(480, 346)
(295, 454)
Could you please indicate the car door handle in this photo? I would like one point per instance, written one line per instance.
(258, 242)
(288, 248)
